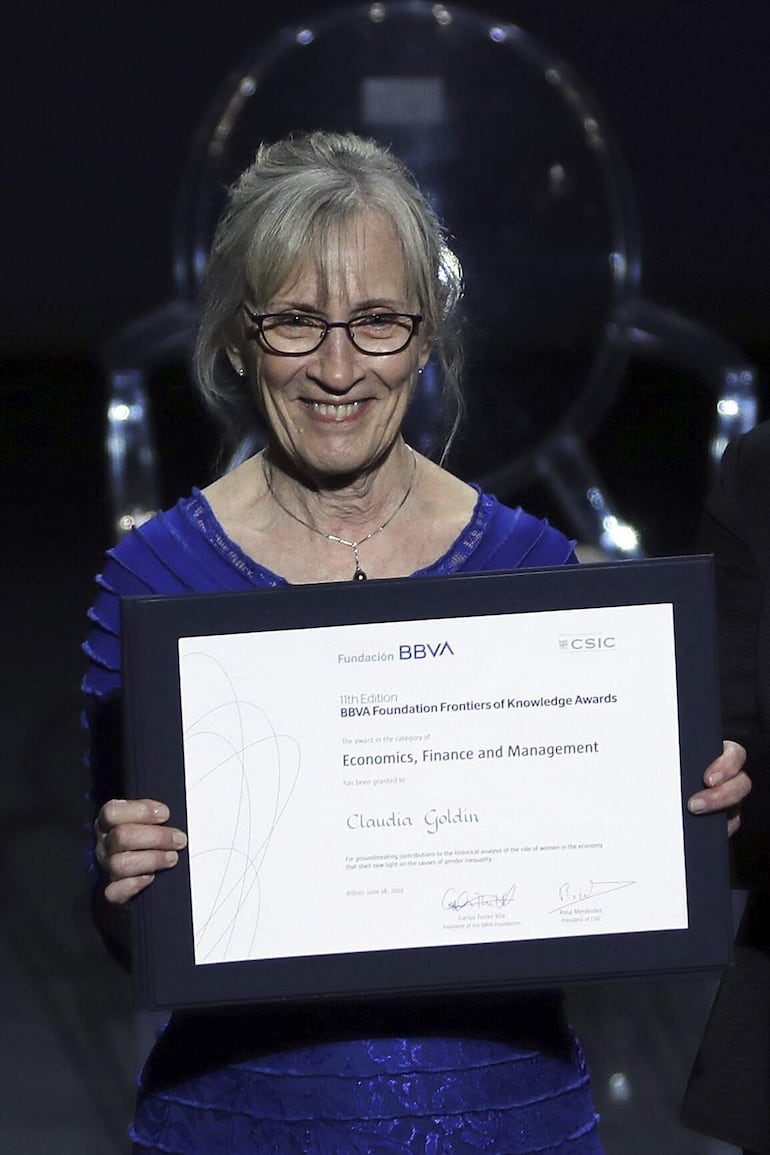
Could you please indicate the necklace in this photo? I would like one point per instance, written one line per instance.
(359, 574)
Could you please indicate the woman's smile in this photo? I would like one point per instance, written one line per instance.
(335, 411)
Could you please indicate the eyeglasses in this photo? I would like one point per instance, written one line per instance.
(295, 334)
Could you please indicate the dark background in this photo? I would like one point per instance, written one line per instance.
(102, 100)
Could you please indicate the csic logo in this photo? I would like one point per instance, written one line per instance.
(419, 650)
(583, 643)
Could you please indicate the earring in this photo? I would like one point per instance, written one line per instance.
(241, 372)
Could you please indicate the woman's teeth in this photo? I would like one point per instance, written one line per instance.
(340, 412)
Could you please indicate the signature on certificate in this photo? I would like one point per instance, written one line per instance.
(574, 894)
(469, 899)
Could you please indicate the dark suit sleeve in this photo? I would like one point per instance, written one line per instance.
(736, 529)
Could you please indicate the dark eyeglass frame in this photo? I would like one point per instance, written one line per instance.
(259, 319)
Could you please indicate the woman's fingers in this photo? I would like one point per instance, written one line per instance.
(727, 786)
(127, 888)
(118, 811)
(133, 863)
(728, 765)
(133, 844)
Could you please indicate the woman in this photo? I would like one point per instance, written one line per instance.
(729, 1093)
(330, 285)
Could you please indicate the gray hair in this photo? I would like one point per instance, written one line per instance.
(287, 205)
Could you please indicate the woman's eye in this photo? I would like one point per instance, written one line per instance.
(381, 320)
(300, 321)
(378, 323)
(292, 321)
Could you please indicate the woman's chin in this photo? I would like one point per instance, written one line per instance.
(336, 465)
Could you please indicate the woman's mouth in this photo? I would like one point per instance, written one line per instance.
(335, 412)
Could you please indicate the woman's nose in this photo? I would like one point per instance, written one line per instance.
(336, 363)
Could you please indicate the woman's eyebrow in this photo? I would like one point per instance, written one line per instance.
(290, 305)
(295, 306)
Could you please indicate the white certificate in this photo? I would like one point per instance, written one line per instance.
(457, 780)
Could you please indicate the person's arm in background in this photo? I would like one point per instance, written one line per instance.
(736, 529)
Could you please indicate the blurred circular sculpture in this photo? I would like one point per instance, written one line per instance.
(513, 154)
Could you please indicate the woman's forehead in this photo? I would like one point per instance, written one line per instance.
(362, 259)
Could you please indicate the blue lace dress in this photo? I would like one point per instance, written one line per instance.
(445, 1076)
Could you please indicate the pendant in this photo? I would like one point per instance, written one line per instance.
(359, 575)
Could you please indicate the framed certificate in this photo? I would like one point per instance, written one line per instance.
(425, 785)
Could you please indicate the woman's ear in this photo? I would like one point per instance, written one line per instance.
(235, 358)
(426, 348)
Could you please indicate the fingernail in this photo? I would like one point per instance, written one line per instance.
(161, 812)
(179, 840)
(714, 779)
(696, 805)
(171, 858)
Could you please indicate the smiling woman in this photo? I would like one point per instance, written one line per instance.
(330, 286)
(347, 288)
(290, 216)
(335, 411)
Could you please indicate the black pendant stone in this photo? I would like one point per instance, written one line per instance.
(359, 576)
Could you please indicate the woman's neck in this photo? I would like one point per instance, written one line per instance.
(345, 506)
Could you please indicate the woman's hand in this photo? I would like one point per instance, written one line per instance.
(132, 843)
(727, 784)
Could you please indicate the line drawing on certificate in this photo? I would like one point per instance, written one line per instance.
(240, 774)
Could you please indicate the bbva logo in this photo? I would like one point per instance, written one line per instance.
(420, 650)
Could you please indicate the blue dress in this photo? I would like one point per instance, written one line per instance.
(441, 1076)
